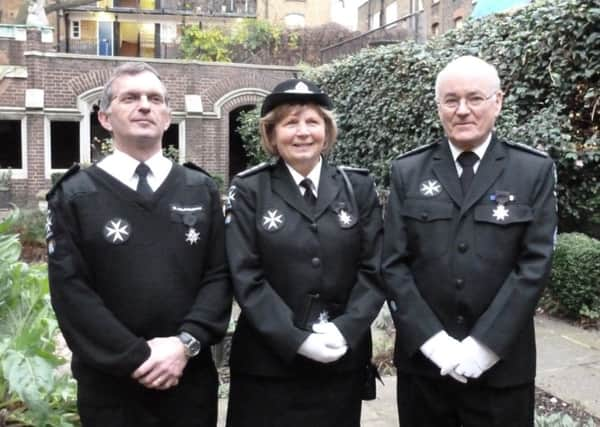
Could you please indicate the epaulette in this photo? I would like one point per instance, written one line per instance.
(72, 171)
(362, 171)
(417, 150)
(254, 169)
(194, 166)
(527, 148)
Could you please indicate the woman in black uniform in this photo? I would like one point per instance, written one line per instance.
(303, 243)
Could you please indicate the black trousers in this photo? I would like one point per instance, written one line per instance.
(124, 403)
(444, 402)
(331, 400)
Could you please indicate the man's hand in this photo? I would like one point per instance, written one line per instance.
(321, 348)
(475, 358)
(165, 365)
(332, 331)
(444, 351)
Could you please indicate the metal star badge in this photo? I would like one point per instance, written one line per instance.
(344, 217)
(230, 196)
(430, 188)
(117, 231)
(500, 213)
(48, 224)
(272, 220)
(192, 236)
(323, 317)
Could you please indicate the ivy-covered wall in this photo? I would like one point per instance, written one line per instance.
(548, 57)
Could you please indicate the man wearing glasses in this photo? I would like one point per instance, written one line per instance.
(138, 278)
(467, 251)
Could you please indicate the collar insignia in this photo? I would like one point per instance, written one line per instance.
(273, 220)
(430, 188)
(117, 231)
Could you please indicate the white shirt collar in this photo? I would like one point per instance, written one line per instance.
(314, 176)
(122, 166)
(479, 150)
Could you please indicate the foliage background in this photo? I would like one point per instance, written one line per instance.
(548, 58)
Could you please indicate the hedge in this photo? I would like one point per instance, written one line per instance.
(548, 57)
(574, 287)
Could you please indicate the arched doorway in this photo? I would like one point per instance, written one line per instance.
(238, 159)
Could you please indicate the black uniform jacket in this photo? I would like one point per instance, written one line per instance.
(471, 267)
(289, 266)
(124, 269)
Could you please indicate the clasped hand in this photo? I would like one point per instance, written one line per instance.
(165, 365)
(463, 360)
(325, 345)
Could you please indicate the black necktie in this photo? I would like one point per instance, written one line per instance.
(467, 159)
(309, 196)
(143, 187)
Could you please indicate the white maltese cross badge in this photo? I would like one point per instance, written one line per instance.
(430, 188)
(273, 220)
(116, 231)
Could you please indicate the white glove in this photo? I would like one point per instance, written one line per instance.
(319, 347)
(333, 333)
(475, 358)
(444, 351)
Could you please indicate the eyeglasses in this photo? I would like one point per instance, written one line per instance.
(133, 98)
(472, 101)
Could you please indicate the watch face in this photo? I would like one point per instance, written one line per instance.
(192, 345)
(194, 348)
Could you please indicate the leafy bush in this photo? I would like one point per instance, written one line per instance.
(30, 225)
(575, 278)
(560, 420)
(31, 391)
(548, 57)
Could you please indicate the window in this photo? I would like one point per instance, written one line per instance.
(294, 20)
(391, 13)
(64, 144)
(76, 30)
(458, 22)
(435, 29)
(417, 5)
(11, 150)
(374, 20)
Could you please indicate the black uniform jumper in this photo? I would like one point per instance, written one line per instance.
(123, 270)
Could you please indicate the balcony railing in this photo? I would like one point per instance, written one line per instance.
(90, 47)
(409, 27)
(237, 8)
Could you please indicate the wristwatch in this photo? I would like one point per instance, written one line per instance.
(192, 345)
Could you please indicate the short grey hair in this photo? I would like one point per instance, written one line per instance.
(468, 62)
(127, 69)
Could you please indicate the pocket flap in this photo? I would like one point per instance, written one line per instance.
(430, 210)
(503, 215)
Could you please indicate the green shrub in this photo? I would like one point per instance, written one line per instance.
(560, 420)
(30, 225)
(575, 277)
(548, 57)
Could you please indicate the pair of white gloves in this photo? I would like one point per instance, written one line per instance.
(325, 345)
(462, 360)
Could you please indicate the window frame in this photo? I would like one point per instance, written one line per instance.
(18, 173)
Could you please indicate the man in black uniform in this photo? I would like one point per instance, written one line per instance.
(467, 251)
(137, 269)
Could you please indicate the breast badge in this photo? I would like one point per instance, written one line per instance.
(117, 231)
(273, 220)
(430, 188)
(501, 212)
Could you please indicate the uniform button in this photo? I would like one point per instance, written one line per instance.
(460, 283)
(313, 226)
(460, 320)
(316, 262)
(462, 247)
(424, 216)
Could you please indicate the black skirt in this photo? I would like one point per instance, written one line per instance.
(330, 400)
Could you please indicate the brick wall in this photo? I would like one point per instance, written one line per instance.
(65, 78)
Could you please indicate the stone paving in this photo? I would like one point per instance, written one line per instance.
(568, 367)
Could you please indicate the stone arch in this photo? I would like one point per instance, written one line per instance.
(233, 102)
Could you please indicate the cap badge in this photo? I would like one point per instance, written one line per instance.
(300, 87)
